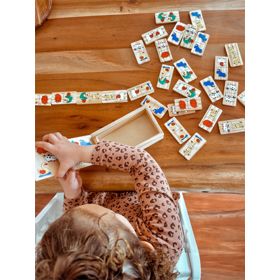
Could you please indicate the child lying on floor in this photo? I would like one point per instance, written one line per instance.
(110, 235)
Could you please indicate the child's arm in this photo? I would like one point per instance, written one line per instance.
(158, 208)
(71, 184)
(68, 154)
(159, 213)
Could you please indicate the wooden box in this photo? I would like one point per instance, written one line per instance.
(139, 128)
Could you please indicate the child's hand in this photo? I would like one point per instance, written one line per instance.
(71, 184)
(67, 153)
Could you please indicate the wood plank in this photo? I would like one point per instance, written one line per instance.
(87, 61)
(41, 200)
(84, 33)
(214, 203)
(215, 178)
(218, 224)
(122, 60)
(78, 8)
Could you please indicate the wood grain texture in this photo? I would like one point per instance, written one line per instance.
(115, 32)
(218, 224)
(218, 178)
(78, 54)
(77, 8)
(41, 201)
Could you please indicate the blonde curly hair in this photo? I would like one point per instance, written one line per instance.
(71, 250)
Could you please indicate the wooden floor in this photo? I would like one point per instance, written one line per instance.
(218, 225)
(85, 45)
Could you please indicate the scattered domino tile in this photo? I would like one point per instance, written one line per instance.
(232, 126)
(165, 76)
(200, 43)
(163, 50)
(97, 97)
(46, 164)
(140, 90)
(167, 17)
(197, 20)
(233, 54)
(210, 118)
(153, 35)
(211, 89)
(140, 52)
(64, 98)
(81, 140)
(230, 93)
(42, 99)
(186, 89)
(172, 111)
(83, 97)
(185, 70)
(221, 68)
(110, 96)
(188, 37)
(177, 130)
(155, 106)
(192, 146)
(177, 33)
(186, 104)
(241, 98)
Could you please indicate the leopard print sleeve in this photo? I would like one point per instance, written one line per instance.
(84, 198)
(71, 203)
(159, 217)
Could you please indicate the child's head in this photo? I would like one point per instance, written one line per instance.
(92, 242)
